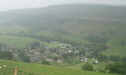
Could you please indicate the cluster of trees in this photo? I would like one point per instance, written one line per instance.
(6, 55)
(113, 58)
(116, 67)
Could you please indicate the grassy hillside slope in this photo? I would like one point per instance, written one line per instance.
(117, 47)
(38, 69)
(16, 42)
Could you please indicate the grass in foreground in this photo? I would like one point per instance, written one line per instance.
(38, 69)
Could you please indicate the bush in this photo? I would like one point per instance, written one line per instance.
(6, 55)
(46, 62)
(117, 68)
(24, 57)
(88, 67)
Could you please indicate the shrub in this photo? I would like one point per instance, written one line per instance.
(88, 67)
(6, 55)
(117, 68)
(46, 62)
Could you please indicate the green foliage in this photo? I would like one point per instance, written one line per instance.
(38, 69)
(116, 47)
(88, 67)
(46, 62)
(117, 68)
(23, 57)
(6, 55)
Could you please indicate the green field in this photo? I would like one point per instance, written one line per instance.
(38, 69)
(15, 41)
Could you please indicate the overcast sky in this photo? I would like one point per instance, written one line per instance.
(17, 4)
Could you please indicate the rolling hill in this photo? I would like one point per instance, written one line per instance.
(70, 18)
(94, 26)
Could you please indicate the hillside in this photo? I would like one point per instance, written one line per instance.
(37, 69)
(64, 32)
(78, 17)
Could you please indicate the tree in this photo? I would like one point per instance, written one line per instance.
(24, 57)
(88, 67)
(6, 55)
(119, 67)
(46, 62)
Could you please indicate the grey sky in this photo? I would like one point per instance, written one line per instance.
(16, 4)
